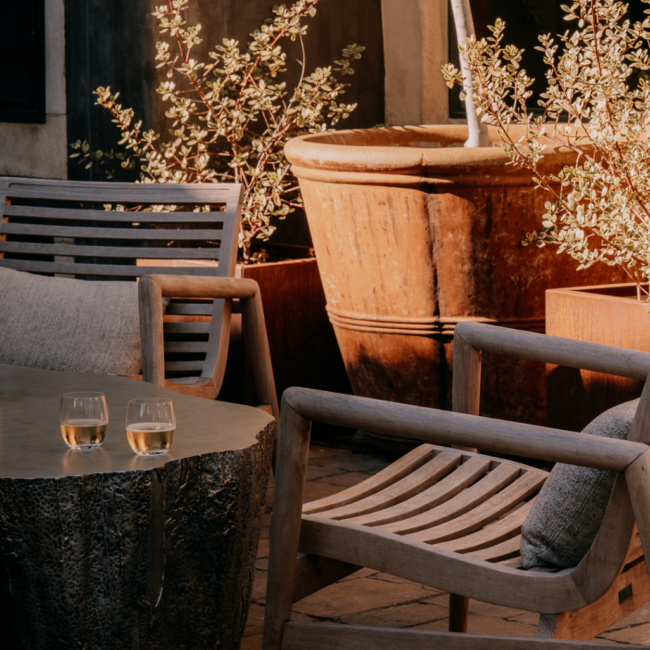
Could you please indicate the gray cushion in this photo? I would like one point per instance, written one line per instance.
(569, 510)
(69, 325)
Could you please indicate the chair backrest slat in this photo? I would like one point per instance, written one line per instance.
(36, 248)
(186, 346)
(104, 270)
(167, 234)
(187, 328)
(108, 215)
(189, 309)
(184, 366)
(152, 193)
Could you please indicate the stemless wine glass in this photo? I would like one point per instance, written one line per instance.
(150, 425)
(84, 419)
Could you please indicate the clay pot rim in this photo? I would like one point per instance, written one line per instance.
(381, 150)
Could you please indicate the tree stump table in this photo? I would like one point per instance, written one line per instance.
(103, 549)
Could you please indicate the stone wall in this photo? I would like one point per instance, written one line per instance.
(41, 149)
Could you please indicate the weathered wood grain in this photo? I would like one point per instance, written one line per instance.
(170, 193)
(151, 331)
(82, 215)
(110, 251)
(437, 568)
(557, 350)
(126, 271)
(89, 214)
(88, 232)
(469, 499)
(328, 636)
(444, 427)
(292, 455)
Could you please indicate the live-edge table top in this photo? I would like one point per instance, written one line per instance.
(31, 445)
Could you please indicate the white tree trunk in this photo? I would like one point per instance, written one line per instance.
(478, 133)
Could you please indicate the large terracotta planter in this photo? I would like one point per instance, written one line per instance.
(415, 233)
(608, 314)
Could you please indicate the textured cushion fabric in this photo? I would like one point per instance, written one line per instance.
(569, 510)
(69, 325)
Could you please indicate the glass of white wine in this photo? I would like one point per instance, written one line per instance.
(150, 425)
(84, 419)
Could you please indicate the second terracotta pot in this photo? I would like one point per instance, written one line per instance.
(415, 233)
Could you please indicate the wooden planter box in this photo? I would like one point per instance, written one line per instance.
(304, 351)
(609, 314)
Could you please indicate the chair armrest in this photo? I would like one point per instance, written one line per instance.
(446, 427)
(196, 286)
(554, 349)
(152, 288)
(471, 339)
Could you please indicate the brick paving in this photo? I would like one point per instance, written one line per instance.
(373, 598)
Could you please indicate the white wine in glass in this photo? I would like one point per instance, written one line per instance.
(84, 419)
(150, 425)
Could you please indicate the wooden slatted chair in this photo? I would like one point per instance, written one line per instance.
(450, 518)
(152, 289)
(64, 228)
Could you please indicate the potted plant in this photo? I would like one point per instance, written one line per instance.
(597, 212)
(415, 232)
(230, 118)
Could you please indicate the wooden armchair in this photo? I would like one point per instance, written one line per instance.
(450, 518)
(76, 229)
(152, 289)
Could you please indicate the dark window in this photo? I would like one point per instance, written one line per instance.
(22, 61)
(525, 21)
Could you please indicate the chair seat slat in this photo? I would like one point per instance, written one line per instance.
(36, 248)
(498, 479)
(502, 551)
(430, 565)
(83, 214)
(464, 476)
(495, 533)
(164, 234)
(398, 470)
(419, 480)
(523, 488)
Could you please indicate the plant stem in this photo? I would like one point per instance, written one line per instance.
(478, 132)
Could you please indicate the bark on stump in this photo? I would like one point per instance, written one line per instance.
(160, 557)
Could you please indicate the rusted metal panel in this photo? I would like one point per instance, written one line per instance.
(301, 340)
(609, 314)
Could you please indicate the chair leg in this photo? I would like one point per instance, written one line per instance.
(458, 613)
(293, 450)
